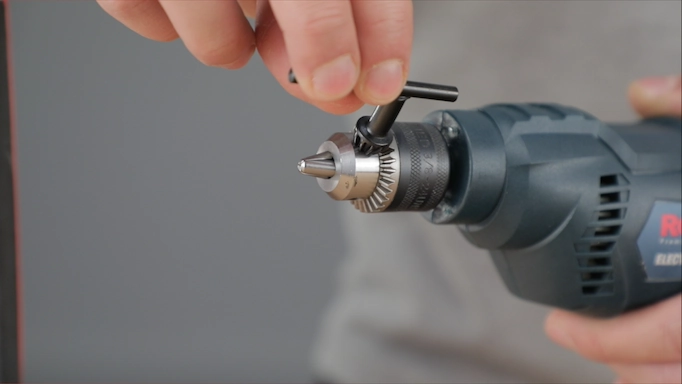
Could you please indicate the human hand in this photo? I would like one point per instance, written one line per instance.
(344, 53)
(644, 346)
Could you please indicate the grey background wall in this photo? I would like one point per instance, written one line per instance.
(167, 236)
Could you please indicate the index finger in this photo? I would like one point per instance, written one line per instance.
(270, 42)
(322, 45)
(648, 335)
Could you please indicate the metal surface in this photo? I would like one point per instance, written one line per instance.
(356, 174)
(387, 184)
(365, 142)
(384, 116)
(346, 173)
(424, 166)
(430, 91)
(365, 166)
(374, 132)
(410, 174)
(292, 77)
(319, 165)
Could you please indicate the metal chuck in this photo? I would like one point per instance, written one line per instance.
(383, 165)
(411, 173)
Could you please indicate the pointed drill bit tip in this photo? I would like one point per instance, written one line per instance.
(320, 165)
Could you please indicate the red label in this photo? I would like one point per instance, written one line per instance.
(671, 225)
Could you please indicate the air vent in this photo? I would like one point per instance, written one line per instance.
(608, 198)
(595, 290)
(595, 248)
(589, 262)
(607, 230)
(612, 181)
(609, 214)
(595, 276)
(601, 247)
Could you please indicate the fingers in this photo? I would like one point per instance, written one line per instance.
(657, 96)
(649, 335)
(145, 17)
(649, 373)
(384, 31)
(215, 31)
(270, 41)
(248, 7)
(336, 46)
(321, 44)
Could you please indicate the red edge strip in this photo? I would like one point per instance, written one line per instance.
(15, 184)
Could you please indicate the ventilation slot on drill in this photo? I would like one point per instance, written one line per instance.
(594, 250)
(607, 198)
(607, 231)
(595, 276)
(591, 262)
(601, 247)
(609, 214)
(608, 181)
(601, 290)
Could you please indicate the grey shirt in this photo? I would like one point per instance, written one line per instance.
(415, 301)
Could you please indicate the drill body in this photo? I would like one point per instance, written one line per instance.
(576, 213)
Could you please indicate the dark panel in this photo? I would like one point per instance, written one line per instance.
(9, 372)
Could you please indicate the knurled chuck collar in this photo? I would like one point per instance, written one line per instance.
(411, 173)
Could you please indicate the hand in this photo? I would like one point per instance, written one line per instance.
(657, 96)
(344, 53)
(644, 346)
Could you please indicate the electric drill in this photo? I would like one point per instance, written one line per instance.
(576, 213)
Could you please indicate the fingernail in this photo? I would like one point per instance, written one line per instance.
(241, 61)
(657, 86)
(335, 79)
(385, 80)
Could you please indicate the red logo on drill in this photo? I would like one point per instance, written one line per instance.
(671, 225)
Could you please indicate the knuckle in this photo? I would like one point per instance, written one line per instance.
(323, 19)
(391, 31)
(392, 20)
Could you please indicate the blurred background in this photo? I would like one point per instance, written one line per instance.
(166, 234)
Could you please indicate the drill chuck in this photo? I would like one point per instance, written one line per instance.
(383, 165)
(409, 174)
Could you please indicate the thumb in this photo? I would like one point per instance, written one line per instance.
(657, 96)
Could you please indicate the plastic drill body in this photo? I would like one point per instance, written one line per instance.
(577, 213)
